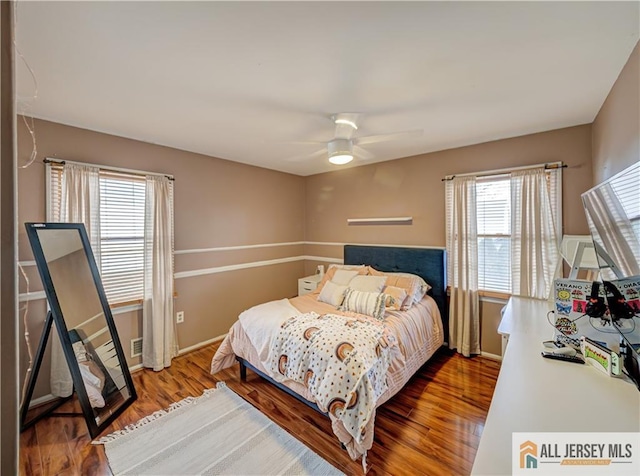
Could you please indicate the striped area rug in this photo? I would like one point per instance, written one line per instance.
(217, 433)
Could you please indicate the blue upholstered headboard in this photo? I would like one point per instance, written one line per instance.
(428, 263)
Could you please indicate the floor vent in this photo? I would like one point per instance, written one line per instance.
(136, 347)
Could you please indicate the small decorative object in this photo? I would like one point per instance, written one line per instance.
(600, 357)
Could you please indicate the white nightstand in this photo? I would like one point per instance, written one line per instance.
(308, 284)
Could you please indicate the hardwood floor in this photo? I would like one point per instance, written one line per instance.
(432, 426)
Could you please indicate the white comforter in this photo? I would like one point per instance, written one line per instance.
(262, 323)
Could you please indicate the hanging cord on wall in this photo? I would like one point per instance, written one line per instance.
(26, 337)
(25, 108)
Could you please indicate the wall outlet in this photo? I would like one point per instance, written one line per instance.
(180, 317)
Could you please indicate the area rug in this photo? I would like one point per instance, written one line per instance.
(217, 433)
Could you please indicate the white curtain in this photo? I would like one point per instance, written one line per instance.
(534, 242)
(80, 203)
(614, 231)
(462, 266)
(159, 344)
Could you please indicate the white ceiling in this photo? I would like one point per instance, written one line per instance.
(238, 80)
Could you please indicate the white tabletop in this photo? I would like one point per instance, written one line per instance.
(534, 394)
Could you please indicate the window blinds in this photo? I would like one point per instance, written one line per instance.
(493, 211)
(122, 200)
(627, 189)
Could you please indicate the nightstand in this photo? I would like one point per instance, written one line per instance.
(308, 284)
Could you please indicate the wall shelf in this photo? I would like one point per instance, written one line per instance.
(381, 221)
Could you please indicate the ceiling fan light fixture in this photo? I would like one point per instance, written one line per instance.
(340, 151)
(341, 159)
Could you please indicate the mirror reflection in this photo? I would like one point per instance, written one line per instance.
(613, 213)
(83, 314)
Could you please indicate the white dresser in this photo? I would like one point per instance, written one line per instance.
(534, 394)
(308, 284)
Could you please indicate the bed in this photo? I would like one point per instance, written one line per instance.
(287, 343)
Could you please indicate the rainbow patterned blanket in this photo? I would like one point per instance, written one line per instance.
(343, 361)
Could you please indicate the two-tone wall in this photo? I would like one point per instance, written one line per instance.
(413, 187)
(222, 210)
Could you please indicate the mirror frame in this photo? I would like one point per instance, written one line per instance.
(58, 317)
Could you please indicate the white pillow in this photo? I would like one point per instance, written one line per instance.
(332, 293)
(368, 284)
(343, 276)
(370, 304)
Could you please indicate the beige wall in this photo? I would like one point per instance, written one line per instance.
(616, 129)
(218, 203)
(8, 305)
(413, 187)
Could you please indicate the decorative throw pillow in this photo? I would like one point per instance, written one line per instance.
(369, 284)
(415, 286)
(328, 276)
(344, 276)
(422, 288)
(332, 293)
(370, 304)
(396, 297)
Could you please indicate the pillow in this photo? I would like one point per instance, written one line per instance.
(412, 283)
(332, 293)
(328, 276)
(344, 276)
(370, 304)
(396, 297)
(423, 287)
(369, 284)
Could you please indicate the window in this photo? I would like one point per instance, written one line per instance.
(494, 195)
(122, 236)
(122, 211)
(493, 212)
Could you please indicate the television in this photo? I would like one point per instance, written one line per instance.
(613, 214)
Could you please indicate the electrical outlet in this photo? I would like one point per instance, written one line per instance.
(180, 317)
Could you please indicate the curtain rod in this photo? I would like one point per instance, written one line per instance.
(549, 166)
(106, 167)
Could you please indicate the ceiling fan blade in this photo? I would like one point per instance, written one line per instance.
(304, 142)
(310, 156)
(388, 137)
(361, 153)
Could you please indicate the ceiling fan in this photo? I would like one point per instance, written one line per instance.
(342, 148)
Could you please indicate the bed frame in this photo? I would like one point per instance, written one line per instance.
(428, 263)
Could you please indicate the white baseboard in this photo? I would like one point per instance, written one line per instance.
(135, 368)
(201, 344)
(186, 350)
(491, 356)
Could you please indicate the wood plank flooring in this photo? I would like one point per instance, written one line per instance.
(433, 426)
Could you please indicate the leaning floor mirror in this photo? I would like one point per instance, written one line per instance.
(86, 330)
